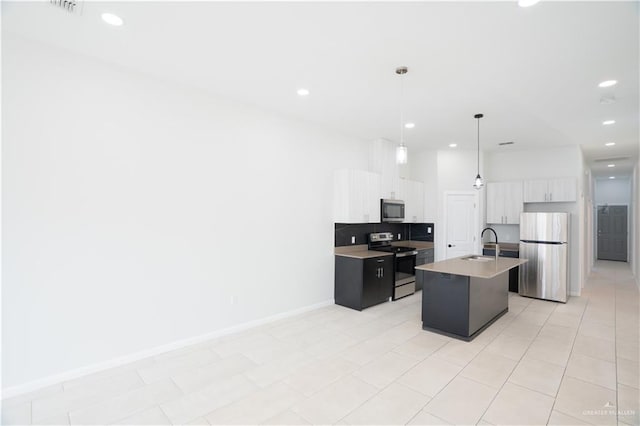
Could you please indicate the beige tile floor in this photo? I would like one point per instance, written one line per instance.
(543, 362)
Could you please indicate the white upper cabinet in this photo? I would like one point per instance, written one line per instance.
(563, 190)
(412, 193)
(550, 190)
(504, 202)
(356, 197)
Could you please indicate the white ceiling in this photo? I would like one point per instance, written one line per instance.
(533, 72)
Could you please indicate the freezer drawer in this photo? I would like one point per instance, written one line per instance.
(544, 276)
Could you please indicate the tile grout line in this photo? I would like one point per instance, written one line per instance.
(615, 346)
(380, 391)
(516, 366)
(564, 371)
(471, 360)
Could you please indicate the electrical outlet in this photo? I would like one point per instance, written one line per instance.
(353, 239)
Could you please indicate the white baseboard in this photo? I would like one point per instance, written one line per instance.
(116, 362)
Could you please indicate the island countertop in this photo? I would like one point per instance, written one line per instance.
(473, 268)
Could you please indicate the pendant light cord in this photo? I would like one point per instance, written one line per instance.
(401, 109)
(478, 145)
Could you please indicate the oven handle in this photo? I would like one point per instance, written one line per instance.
(407, 253)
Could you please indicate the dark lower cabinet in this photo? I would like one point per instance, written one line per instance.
(460, 306)
(513, 273)
(423, 257)
(361, 283)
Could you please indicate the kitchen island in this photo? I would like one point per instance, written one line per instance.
(463, 296)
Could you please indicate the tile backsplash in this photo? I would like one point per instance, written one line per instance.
(344, 231)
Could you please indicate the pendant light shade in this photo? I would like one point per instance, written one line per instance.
(402, 154)
(478, 183)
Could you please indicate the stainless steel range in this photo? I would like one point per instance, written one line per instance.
(404, 263)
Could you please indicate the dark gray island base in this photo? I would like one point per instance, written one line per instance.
(460, 306)
(461, 298)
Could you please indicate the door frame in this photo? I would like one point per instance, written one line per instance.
(476, 222)
(595, 229)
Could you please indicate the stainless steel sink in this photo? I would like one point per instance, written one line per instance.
(476, 258)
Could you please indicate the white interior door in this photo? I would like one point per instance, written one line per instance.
(461, 216)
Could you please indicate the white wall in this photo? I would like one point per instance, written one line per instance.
(441, 171)
(134, 211)
(545, 163)
(635, 223)
(613, 191)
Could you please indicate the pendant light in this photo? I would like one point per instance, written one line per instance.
(478, 181)
(401, 150)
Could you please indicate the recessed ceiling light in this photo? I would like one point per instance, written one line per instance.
(609, 144)
(303, 92)
(453, 145)
(608, 122)
(409, 125)
(612, 177)
(611, 165)
(527, 3)
(112, 19)
(608, 83)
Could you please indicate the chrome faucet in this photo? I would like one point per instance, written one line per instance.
(497, 246)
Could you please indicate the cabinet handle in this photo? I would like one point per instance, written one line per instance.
(551, 196)
(380, 260)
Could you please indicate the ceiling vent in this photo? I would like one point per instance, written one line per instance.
(607, 99)
(506, 143)
(611, 160)
(71, 6)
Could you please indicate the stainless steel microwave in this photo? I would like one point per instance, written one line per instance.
(391, 210)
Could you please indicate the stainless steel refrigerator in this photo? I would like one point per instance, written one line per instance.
(543, 242)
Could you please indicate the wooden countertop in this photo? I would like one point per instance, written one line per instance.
(419, 245)
(473, 268)
(361, 251)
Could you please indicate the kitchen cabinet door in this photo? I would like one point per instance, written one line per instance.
(563, 190)
(504, 202)
(417, 201)
(550, 190)
(412, 193)
(356, 197)
(513, 202)
(535, 191)
(495, 202)
(377, 280)
(372, 201)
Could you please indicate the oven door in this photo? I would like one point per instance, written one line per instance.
(405, 284)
